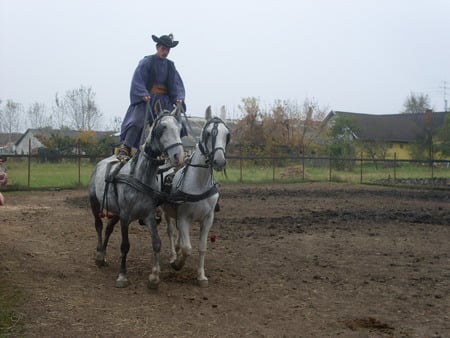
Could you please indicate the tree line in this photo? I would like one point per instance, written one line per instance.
(76, 110)
(284, 127)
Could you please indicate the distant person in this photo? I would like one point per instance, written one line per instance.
(3, 174)
(155, 78)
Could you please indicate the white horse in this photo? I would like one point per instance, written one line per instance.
(132, 193)
(195, 189)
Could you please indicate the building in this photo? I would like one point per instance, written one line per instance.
(396, 131)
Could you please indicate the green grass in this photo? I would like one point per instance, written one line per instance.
(294, 174)
(68, 174)
(11, 317)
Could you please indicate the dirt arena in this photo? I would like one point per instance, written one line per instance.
(305, 260)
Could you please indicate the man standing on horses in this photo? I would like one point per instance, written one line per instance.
(155, 79)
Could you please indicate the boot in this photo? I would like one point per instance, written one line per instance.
(124, 153)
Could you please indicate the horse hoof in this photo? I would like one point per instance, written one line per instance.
(99, 263)
(153, 284)
(100, 260)
(176, 266)
(203, 283)
(122, 282)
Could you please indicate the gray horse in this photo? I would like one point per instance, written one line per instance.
(129, 192)
(195, 195)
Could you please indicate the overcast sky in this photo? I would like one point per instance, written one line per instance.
(363, 56)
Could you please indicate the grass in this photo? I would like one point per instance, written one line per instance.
(11, 317)
(68, 174)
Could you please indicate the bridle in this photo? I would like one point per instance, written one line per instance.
(203, 144)
(155, 136)
(180, 196)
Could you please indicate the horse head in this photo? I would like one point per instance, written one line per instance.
(164, 136)
(214, 140)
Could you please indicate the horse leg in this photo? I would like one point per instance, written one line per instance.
(101, 253)
(205, 226)
(122, 280)
(95, 207)
(153, 278)
(184, 244)
(171, 234)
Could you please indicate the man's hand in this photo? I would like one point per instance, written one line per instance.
(146, 98)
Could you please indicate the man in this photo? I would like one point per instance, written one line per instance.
(155, 79)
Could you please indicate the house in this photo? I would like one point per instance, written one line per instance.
(29, 140)
(8, 141)
(396, 131)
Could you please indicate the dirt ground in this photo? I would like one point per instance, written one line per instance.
(305, 260)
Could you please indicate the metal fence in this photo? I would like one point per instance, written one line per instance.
(34, 172)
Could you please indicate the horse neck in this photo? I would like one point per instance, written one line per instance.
(196, 174)
(145, 169)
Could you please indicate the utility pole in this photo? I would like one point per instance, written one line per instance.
(444, 88)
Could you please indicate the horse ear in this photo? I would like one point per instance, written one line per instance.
(208, 113)
(158, 107)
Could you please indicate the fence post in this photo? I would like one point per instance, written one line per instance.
(29, 164)
(273, 167)
(432, 163)
(303, 162)
(240, 163)
(361, 180)
(395, 167)
(330, 167)
(79, 164)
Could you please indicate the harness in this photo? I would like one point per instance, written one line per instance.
(179, 196)
(114, 177)
(165, 196)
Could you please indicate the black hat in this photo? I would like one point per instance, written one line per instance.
(165, 40)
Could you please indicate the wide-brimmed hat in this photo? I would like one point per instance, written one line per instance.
(165, 40)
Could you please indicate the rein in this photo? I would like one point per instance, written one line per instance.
(209, 156)
(148, 154)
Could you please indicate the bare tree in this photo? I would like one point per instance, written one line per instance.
(38, 116)
(58, 114)
(223, 113)
(11, 117)
(304, 122)
(416, 103)
(79, 106)
(249, 128)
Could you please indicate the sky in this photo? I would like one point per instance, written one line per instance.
(347, 55)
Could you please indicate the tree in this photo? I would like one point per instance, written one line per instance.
(11, 117)
(92, 146)
(59, 116)
(310, 129)
(341, 142)
(38, 116)
(443, 137)
(416, 103)
(65, 145)
(375, 150)
(79, 106)
(223, 113)
(249, 128)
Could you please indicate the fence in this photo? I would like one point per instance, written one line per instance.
(27, 172)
